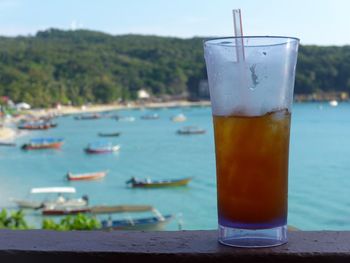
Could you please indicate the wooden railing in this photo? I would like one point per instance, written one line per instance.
(166, 247)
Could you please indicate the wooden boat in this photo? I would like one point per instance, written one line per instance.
(43, 143)
(152, 116)
(333, 103)
(145, 224)
(153, 223)
(147, 183)
(125, 118)
(49, 201)
(97, 210)
(99, 148)
(113, 134)
(190, 130)
(57, 211)
(9, 144)
(88, 117)
(86, 176)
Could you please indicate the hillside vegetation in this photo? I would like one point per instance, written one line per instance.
(87, 66)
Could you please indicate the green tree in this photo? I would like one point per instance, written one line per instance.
(78, 222)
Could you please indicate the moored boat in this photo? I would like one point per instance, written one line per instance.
(49, 201)
(124, 118)
(147, 183)
(58, 211)
(10, 144)
(86, 176)
(93, 116)
(151, 223)
(143, 224)
(152, 116)
(39, 125)
(43, 143)
(112, 134)
(102, 209)
(99, 148)
(179, 118)
(190, 130)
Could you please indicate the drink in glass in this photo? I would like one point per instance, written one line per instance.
(251, 96)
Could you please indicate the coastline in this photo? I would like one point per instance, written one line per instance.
(68, 110)
(9, 132)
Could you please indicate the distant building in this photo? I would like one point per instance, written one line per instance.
(22, 106)
(143, 94)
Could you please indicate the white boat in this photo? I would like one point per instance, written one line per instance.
(179, 118)
(155, 222)
(125, 118)
(333, 103)
(50, 201)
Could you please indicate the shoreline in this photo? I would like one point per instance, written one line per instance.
(9, 132)
(69, 110)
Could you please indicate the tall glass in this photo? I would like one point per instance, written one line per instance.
(251, 92)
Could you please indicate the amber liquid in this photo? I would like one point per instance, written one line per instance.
(252, 169)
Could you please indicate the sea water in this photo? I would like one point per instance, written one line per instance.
(319, 177)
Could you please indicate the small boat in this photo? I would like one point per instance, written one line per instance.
(50, 202)
(9, 144)
(147, 183)
(88, 117)
(333, 103)
(179, 118)
(125, 118)
(62, 211)
(145, 224)
(113, 134)
(40, 125)
(190, 130)
(97, 148)
(97, 209)
(153, 223)
(43, 143)
(152, 116)
(86, 176)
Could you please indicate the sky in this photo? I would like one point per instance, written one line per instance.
(322, 22)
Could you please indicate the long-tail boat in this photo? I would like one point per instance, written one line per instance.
(86, 176)
(148, 183)
(43, 143)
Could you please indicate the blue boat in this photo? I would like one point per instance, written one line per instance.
(148, 223)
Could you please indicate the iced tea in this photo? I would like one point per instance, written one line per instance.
(252, 169)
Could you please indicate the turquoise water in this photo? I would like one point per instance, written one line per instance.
(319, 165)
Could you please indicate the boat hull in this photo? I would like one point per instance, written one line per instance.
(158, 184)
(43, 146)
(62, 212)
(145, 224)
(102, 150)
(86, 177)
(109, 134)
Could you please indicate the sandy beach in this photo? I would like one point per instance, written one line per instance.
(7, 134)
(66, 110)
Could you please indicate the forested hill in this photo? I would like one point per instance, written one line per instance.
(87, 66)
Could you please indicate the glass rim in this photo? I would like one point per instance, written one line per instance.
(212, 41)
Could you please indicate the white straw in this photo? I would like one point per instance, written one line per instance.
(237, 24)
